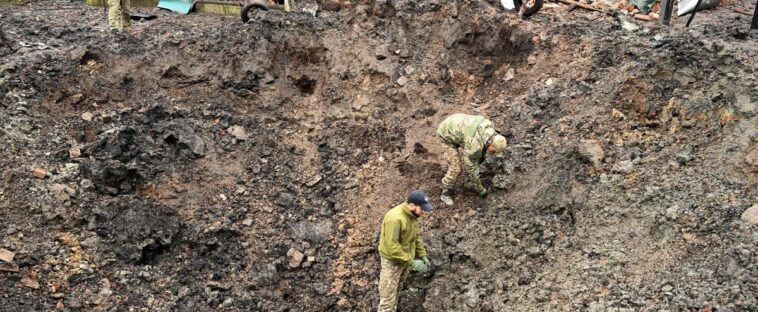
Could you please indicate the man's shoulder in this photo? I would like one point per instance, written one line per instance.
(394, 213)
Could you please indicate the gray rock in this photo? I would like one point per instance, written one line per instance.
(623, 167)
(294, 258)
(672, 212)
(313, 232)
(684, 157)
(751, 215)
(285, 199)
(745, 105)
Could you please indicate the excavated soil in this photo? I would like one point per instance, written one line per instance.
(197, 163)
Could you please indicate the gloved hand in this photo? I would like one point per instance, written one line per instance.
(418, 266)
(426, 261)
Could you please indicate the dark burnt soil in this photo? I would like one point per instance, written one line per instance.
(197, 163)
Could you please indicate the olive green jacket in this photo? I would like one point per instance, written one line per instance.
(399, 240)
(470, 134)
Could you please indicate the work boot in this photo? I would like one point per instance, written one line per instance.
(446, 197)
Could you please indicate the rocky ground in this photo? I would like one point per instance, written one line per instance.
(198, 163)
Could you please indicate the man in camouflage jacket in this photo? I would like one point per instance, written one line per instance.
(468, 139)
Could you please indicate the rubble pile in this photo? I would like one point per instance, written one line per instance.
(200, 163)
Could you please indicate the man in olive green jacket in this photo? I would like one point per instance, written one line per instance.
(468, 138)
(399, 245)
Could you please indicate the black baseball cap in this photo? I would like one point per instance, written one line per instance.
(420, 198)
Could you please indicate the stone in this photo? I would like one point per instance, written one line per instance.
(30, 282)
(347, 5)
(238, 132)
(684, 157)
(510, 74)
(751, 215)
(39, 173)
(591, 151)
(74, 152)
(105, 292)
(6, 255)
(623, 167)
(247, 222)
(409, 70)
(672, 212)
(295, 258)
(197, 146)
(617, 115)
(314, 181)
(745, 105)
(402, 80)
(87, 116)
(62, 191)
(331, 5)
(285, 199)
(531, 60)
(381, 53)
(313, 232)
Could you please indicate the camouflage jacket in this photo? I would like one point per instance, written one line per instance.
(470, 134)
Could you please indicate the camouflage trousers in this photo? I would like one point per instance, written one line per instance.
(453, 167)
(390, 280)
(118, 14)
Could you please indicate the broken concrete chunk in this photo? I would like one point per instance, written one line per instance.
(751, 215)
(402, 81)
(624, 167)
(39, 173)
(6, 255)
(510, 74)
(74, 152)
(295, 258)
(238, 132)
(87, 116)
